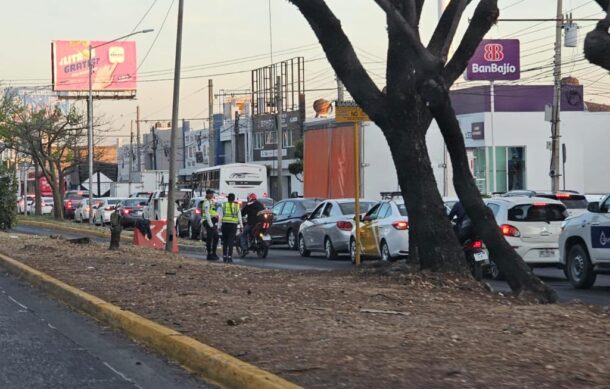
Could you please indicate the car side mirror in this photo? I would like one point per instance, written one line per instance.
(306, 216)
(594, 207)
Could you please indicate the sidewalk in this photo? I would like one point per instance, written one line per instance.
(362, 329)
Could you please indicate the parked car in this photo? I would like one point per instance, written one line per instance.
(188, 222)
(82, 212)
(384, 232)
(140, 195)
(103, 210)
(46, 206)
(25, 203)
(531, 225)
(329, 227)
(575, 202)
(288, 215)
(71, 200)
(584, 244)
(131, 210)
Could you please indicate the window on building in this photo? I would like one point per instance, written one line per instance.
(271, 137)
(259, 140)
(287, 138)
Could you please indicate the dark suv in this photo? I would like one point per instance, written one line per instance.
(287, 218)
(72, 199)
(574, 201)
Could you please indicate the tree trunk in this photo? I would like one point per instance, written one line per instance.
(38, 209)
(431, 242)
(518, 274)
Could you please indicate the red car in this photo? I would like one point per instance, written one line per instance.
(71, 201)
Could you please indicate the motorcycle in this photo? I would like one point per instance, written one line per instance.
(476, 257)
(259, 239)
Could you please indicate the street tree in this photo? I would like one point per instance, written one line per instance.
(418, 79)
(49, 135)
(597, 42)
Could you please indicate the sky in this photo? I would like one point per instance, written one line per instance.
(224, 40)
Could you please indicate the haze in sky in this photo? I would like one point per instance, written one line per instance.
(225, 39)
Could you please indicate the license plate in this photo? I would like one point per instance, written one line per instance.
(267, 238)
(481, 256)
(546, 253)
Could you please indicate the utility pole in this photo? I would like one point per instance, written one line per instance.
(236, 137)
(155, 142)
(172, 155)
(138, 146)
(280, 138)
(130, 157)
(211, 137)
(555, 122)
(340, 91)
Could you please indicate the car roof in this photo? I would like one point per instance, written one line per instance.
(517, 200)
(347, 200)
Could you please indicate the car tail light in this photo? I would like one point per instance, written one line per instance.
(563, 195)
(540, 204)
(69, 204)
(401, 225)
(109, 209)
(197, 211)
(344, 225)
(508, 230)
(126, 212)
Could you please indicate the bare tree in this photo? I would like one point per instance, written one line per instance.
(418, 79)
(597, 42)
(49, 135)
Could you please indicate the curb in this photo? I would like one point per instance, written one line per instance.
(211, 364)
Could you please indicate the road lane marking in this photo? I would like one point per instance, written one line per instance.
(123, 376)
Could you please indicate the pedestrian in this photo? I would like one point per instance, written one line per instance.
(210, 222)
(230, 218)
(250, 212)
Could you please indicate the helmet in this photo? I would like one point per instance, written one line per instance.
(251, 197)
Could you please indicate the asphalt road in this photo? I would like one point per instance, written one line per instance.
(283, 259)
(45, 345)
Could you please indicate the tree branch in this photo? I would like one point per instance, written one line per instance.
(597, 42)
(445, 29)
(410, 34)
(485, 16)
(342, 57)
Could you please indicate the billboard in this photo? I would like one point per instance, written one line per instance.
(114, 65)
(495, 59)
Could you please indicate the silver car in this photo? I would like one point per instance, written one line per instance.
(329, 227)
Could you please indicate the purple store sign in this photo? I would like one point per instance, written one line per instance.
(495, 59)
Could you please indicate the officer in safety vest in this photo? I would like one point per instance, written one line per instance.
(230, 217)
(210, 223)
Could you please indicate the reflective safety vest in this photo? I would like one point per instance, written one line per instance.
(229, 213)
(209, 206)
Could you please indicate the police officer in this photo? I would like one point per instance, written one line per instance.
(211, 224)
(230, 218)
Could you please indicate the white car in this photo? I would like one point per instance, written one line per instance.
(384, 232)
(531, 225)
(25, 204)
(81, 213)
(46, 205)
(103, 210)
(585, 244)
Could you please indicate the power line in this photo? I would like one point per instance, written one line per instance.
(144, 16)
(157, 35)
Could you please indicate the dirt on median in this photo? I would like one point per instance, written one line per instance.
(358, 329)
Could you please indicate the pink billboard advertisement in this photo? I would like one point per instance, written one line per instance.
(114, 65)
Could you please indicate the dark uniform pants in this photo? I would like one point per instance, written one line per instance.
(211, 242)
(228, 238)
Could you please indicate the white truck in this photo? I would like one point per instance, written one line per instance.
(158, 203)
(584, 244)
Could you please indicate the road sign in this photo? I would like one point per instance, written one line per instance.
(349, 111)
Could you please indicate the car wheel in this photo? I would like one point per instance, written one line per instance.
(329, 250)
(385, 252)
(292, 240)
(302, 249)
(191, 235)
(352, 250)
(494, 271)
(580, 269)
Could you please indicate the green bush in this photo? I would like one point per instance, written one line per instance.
(8, 197)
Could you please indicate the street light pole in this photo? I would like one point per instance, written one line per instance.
(90, 114)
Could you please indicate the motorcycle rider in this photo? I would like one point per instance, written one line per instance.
(250, 211)
(463, 225)
(210, 222)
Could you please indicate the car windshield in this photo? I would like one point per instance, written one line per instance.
(310, 204)
(76, 195)
(132, 202)
(402, 209)
(113, 201)
(538, 213)
(349, 208)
